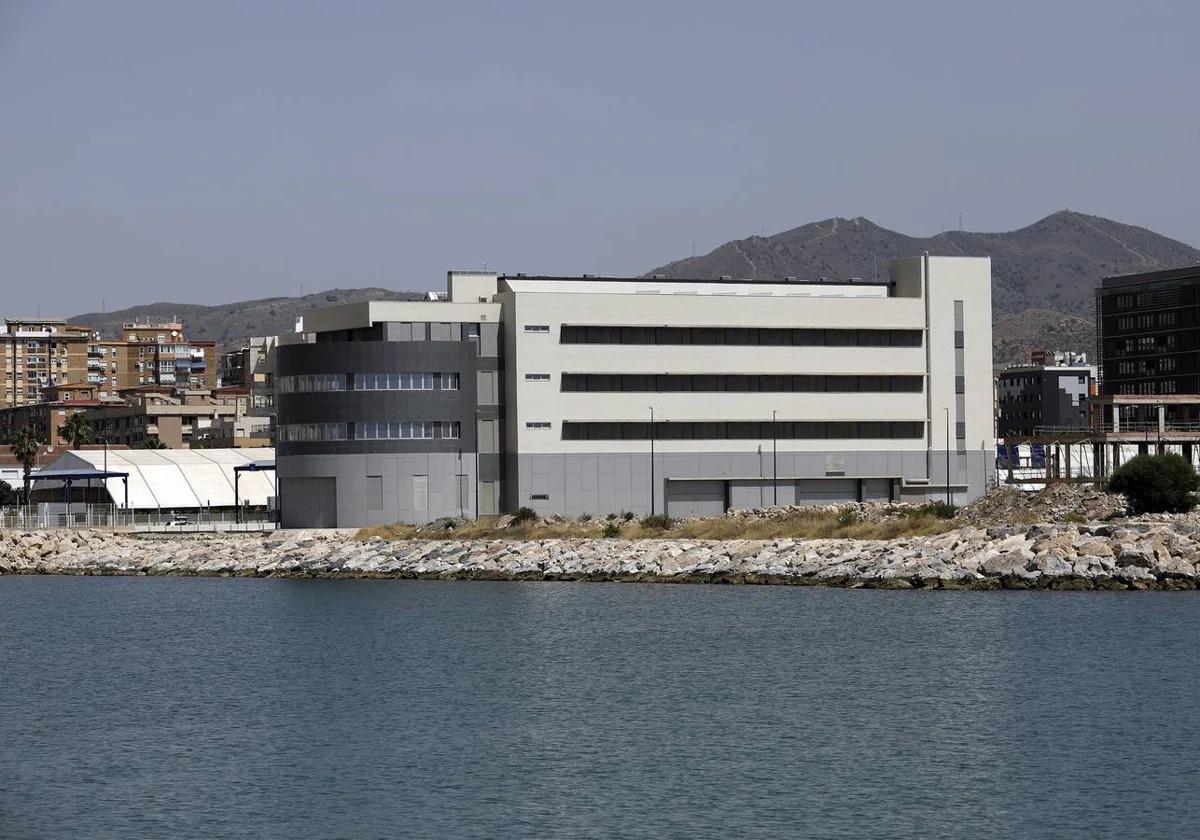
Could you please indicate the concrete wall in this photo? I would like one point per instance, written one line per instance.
(598, 483)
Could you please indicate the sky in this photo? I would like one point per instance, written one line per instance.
(219, 151)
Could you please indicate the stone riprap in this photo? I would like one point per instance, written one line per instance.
(1102, 556)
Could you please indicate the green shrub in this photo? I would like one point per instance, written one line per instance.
(627, 516)
(447, 523)
(938, 510)
(8, 496)
(849, 516)
(524, 514)
(1156, 484)
(611, 530)
(610, 517)
(657, 522)
(585, 517)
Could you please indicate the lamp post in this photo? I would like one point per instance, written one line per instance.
(947, 410)
(652, 460)
(775, 458)
(477, 484)
(104, 440)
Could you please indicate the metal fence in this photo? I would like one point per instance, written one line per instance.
(46, 516)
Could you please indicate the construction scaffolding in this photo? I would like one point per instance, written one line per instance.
(1121, 427)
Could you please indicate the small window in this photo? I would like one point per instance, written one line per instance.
(537, 377)
(537, 424)
(449, 381)
(540, 497)
(537, 328)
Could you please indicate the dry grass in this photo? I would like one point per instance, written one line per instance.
(804, 525)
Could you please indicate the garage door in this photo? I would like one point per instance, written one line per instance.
(826, 491)
(695, 498)
(308, 502)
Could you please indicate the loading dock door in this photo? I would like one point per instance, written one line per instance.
(309, 502)
(826, 491)
(695, 498)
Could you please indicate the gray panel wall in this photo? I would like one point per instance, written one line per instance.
(598, 484)
(377, 489)
(379, 482)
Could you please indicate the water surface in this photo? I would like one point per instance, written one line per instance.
(206, 708)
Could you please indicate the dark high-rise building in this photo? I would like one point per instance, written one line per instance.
(1149, 339)
(1148, 333)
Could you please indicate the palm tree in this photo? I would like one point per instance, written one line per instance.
(76, 430)
(25, 449)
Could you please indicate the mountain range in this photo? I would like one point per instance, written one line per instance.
(1043, 276)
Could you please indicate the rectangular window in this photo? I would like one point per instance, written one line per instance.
(537, 424)
(788, 430)
(537, 328)
(716, 336)
(537, 377)
(739, 383)
(449, 381)
(540, 497)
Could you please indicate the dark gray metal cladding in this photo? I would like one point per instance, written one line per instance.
(353, 357)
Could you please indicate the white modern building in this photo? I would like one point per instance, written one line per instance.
(579, 395)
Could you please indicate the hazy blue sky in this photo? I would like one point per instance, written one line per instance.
(216, 151)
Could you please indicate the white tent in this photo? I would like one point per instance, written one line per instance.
(177, 479)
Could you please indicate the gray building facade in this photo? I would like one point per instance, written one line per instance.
(584, 395)
(1033, 397)
(390, 420)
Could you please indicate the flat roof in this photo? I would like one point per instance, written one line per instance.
(777, 281)
(1188, 272)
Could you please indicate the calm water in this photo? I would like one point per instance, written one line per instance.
(181, 708)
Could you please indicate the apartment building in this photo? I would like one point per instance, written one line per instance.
(585, 395)
(164, 414)
(160, 354)
(252, 366)
(37, 353)
(47, 417)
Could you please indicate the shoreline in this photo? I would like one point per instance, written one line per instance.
(1087, 557)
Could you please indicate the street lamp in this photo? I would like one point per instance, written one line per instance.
(775, 458)
(947, 410)
(651, 460)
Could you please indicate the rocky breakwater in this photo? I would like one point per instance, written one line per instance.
(1160, 555)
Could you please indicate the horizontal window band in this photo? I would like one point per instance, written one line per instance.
(740, 336)
(370, 430)
(740, 383)
(311, 383)
(780, 430)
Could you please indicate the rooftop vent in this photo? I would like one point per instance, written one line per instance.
(726, 277)
(659, 277)
(789, 279)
